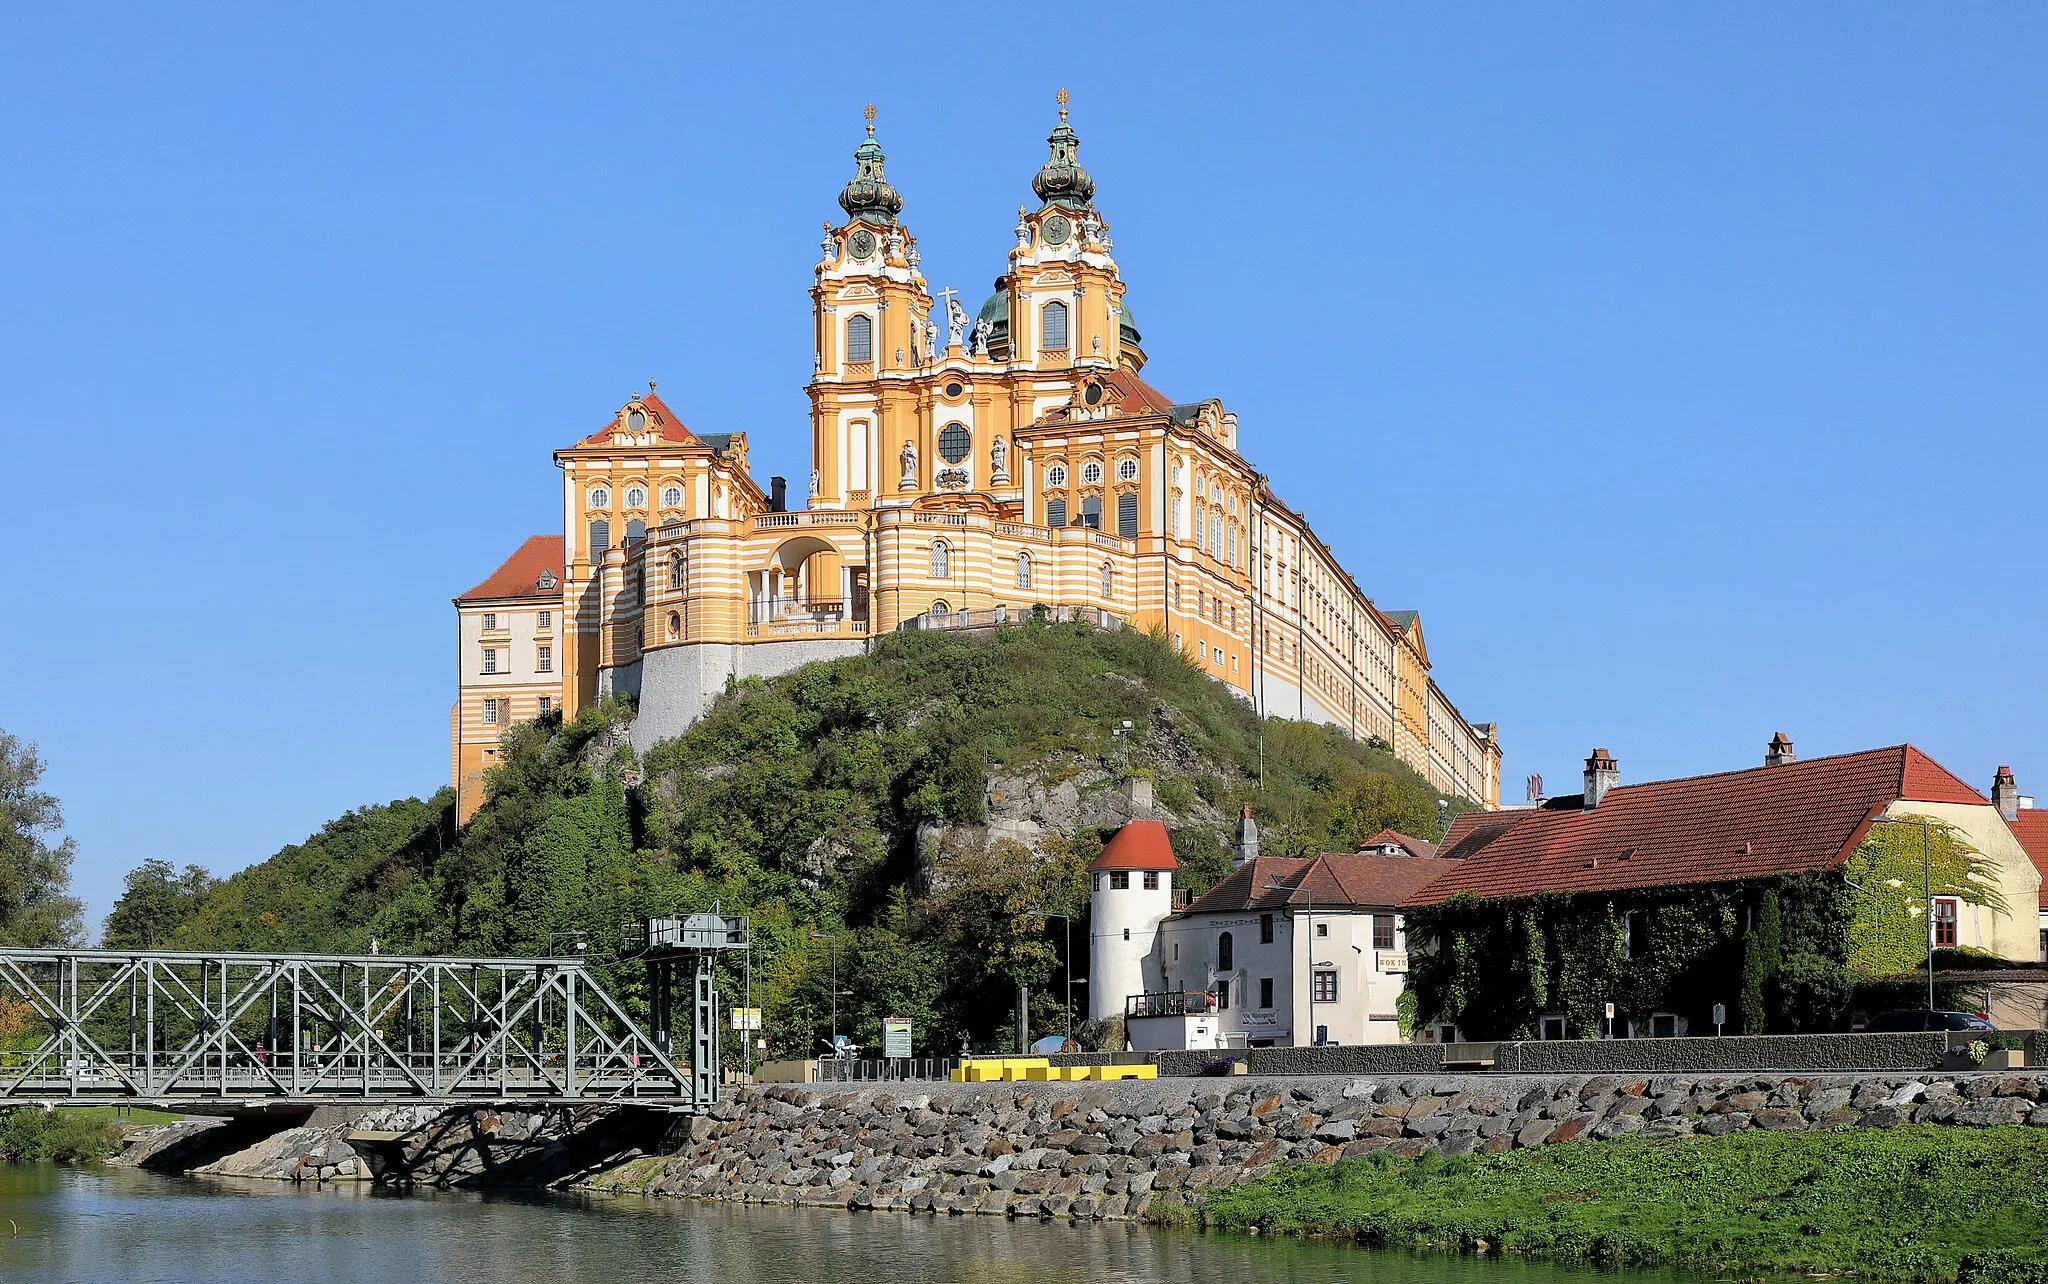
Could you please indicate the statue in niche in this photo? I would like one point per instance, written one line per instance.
(931, 342)
(909, 479)
(999, 459)
(982, 330)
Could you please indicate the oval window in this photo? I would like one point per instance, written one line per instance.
(953, 443)
(672, 497)
(636, 420)
(600, 498)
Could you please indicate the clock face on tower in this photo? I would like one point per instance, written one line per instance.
(861, 243)
(1057, 229)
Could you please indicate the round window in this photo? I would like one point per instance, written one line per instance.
(635, 497)
(953, 443)
(1127, 470)
(1091, 393)
(1091, 472)
(600, 498)
(954, 389)
(1056, 475)
(672, 497)
(636, 420)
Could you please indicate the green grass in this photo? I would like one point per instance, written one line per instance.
(1919, 1203)
(71, 1135)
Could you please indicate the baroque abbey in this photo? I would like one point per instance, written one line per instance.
(964, 472)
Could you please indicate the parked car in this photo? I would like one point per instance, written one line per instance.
(1911, 1019)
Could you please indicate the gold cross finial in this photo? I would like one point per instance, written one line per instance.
(869, 112)
(1062, 96)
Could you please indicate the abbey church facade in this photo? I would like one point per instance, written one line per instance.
(967, 469)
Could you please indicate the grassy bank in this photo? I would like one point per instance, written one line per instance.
(1917, 1203)
(30, 1134)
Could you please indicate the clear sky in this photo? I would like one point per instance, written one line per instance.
(1683, 365)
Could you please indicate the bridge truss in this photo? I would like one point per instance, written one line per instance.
(119, 1026)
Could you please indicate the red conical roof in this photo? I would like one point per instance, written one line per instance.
(1142, 844)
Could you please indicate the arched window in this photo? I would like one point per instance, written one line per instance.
(1056, 475)
(1056, 512)
(1055, 325)
(1127, 514)
(1216, 535)
(940, 610)
(636, 530)
(675, 571)
(1091, 512)
(942, 560)
(1225, 954)
(1023, 570)
(953, 443)
(675, 625)
(1230, 544)
(1108, 580)
(600, 536)
(860, 339)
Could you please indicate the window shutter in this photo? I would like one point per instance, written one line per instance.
(1056, 513)
(1127, 515)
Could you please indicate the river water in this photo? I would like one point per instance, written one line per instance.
(119, 1224)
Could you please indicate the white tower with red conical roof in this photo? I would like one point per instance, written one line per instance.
(1130, 893)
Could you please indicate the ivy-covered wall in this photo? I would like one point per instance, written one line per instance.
(1497, 966)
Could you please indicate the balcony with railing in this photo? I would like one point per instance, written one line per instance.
(1169, 1003)
(808, 617)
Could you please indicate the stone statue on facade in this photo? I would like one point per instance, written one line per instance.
(999, 459)
(956, 321)
(909, 479)
(829, 245)
(982, 330)
(814, 481)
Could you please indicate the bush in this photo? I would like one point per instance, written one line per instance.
(30, 1135)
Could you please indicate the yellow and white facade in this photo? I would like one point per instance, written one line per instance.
(967, 471)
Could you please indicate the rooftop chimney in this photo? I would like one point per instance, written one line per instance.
(1247, 838)
(2005, 795)
(1602, 774)
(1779, 752)
(778, 494)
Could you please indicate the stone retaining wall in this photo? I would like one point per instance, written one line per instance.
(1119, 1150)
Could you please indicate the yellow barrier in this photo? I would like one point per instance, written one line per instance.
(1039, 1070)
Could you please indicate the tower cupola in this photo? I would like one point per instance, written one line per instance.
(868, 195)
(1061, 180)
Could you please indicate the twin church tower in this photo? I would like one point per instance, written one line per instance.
(967, 470)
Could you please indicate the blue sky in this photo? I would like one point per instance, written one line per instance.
(1683, 365)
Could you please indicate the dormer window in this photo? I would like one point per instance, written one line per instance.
(636, 420)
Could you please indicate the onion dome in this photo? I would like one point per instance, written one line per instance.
(1061, 180)
(868, 195)
(997, 313)
(1127, 326)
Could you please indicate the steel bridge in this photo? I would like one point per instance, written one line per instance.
(255, 1031)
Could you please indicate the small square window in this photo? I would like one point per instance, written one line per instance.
(547, 706)
(1151, 880)
(1127, 933)
(1383, 931)
(490, 660)
(490, 620)
(1119, 880)
(546, 620)
(1322, 929)
(1326, 987)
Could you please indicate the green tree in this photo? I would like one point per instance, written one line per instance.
(36, 905)
(156, 900)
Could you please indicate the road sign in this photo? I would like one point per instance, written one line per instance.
(746, 1018)
(1720, 1015)
(895, 1036)
(1610, 1012)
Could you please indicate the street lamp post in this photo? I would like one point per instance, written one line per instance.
(1927, 876)
(832, 953)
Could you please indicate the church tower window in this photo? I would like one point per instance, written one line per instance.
(953, 443)
(860, 339)
(1055, 325)
(1127, 514)
(1056, 512)
(942, 560)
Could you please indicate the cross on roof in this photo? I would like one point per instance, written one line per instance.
(1062, 97)
(869, 112)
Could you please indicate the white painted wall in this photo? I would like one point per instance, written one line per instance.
(1123, 926)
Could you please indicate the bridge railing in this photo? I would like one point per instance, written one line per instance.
(168, 1025)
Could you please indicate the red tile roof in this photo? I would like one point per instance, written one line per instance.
(668, 421)
(1413, 846)
(1142, 844)
(1139, 397)
(1699, 829)
(1336, 880)
(2031, 828)
(518, 575)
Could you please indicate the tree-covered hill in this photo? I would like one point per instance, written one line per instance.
(909, 817)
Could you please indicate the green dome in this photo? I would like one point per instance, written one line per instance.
(997, 313)
(1127, 326)
(867, 194)
(1061, 180)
